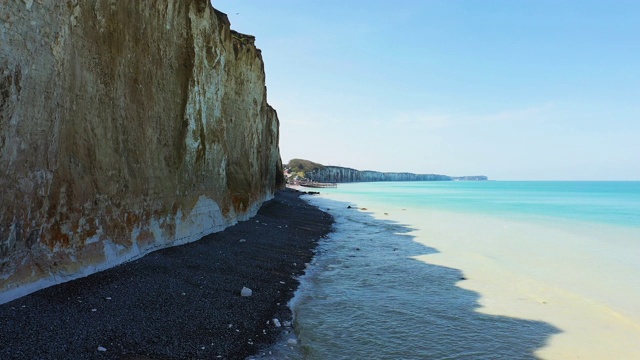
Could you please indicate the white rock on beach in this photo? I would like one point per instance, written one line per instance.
(276, 322)
(100, 348)
(246, 291)
(292, 341)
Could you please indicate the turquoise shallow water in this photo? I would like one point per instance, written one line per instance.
(610, 202)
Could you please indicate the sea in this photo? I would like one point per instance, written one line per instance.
(472, 270)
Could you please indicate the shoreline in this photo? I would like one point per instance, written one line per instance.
(180, 302)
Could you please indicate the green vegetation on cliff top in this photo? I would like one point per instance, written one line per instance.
(301, 165)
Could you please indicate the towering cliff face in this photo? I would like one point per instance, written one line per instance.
(125, 126)
(337, 174)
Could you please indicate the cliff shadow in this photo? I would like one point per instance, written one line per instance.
(370, 288)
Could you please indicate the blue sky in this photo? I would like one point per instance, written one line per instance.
(515, 90)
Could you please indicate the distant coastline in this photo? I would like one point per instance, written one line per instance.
(309, 170)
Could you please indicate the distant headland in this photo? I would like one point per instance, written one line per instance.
(299, 169)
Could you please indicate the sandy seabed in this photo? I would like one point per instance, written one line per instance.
(581, 278)
(182, 302)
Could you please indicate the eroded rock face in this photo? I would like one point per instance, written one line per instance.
(125, 126)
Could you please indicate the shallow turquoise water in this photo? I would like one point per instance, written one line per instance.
(610, 202)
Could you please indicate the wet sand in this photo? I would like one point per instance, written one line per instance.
(177, 303)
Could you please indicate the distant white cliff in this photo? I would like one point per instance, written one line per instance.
(337, 174)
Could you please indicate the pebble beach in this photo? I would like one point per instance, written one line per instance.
(216, 298)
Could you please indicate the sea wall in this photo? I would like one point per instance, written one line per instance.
(125, 126)
(337, 174)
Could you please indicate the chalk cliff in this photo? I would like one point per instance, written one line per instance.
(338, 174)
(125, 126)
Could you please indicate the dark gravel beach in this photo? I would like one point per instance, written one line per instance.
(178, 303)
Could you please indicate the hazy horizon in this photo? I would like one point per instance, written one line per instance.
(528, 90)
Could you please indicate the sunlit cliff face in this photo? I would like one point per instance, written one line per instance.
(124, 127)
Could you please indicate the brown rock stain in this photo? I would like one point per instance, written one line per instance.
(54, 237)
(145, 238)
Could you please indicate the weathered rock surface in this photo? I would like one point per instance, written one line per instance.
(125, 126)
(338, 174)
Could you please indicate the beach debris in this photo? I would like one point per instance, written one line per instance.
(276, 323)
(292, 341)
(100, 348)
(386, 213)
(364, 209)
(108, 298)
(349, 207)
(245, 292)
(463, 278)
(94, 310)
(230, 326)
(286, 323)
(242, 240)
(282, 282)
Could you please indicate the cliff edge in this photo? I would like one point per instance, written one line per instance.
(125, 126)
